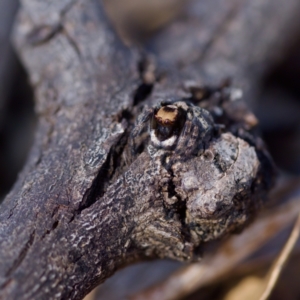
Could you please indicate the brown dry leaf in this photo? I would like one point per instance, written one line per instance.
(277, 267)
(92, 295)
(253, 288)
(250, 288)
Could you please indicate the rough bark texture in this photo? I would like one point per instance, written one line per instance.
(103, 188)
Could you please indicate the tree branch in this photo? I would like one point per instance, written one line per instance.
(80, 72)
(234, 39)
(103, 188)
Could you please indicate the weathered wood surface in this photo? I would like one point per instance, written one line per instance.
(66, 226)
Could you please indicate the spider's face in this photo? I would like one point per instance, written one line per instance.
(180, 126)
(166, 125)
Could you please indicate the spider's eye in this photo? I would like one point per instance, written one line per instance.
(168, 121)
(167, 115)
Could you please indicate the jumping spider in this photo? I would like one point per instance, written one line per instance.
(176, 126)
(211, 178)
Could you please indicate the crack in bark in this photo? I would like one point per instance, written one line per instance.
(181, 209)
(142, 92)
(115, 163)
(48, 231)
(11, 212)
(22, 254)
(105, 174)
(146, 69)
(43, 34)
(71, 41)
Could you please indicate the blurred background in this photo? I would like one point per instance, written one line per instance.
(278, 111)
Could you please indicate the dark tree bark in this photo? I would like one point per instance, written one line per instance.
(86, 202)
